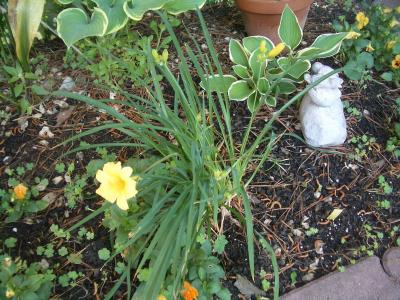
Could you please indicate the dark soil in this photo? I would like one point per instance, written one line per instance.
(285, 199)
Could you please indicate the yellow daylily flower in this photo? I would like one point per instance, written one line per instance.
(10, 293)
(369, 48)
(362, 20)
(387, 10)
(189, 292)
(117, 184)
(396, 62)
(276, 50)
(20, 191)
(390, 45)
(352, 35)
(393, 23)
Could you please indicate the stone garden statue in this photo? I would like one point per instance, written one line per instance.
(321, 111)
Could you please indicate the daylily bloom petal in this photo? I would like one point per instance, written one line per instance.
(276, 50)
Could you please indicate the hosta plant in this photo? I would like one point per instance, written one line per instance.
(109, 16)
(259, 76)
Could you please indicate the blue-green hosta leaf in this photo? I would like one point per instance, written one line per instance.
(217, 83)
(289, 29)
(252, 43)
(240, 91)
(73, 24)
(179, 6)
(24, 17)
(114, 9)
(241, 71)
(135, 9)
(237, 54)
(257, 64)
(263, 85)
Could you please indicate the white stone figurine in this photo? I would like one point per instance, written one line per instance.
(321, 111)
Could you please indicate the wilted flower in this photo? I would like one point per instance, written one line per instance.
(20, 191)
(117, 185)
(189, 292)
(396, 62)
(276, 50)
(362, 20)
(369, 48)
(352, 35)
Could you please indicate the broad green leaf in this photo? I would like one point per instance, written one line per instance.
(387, 76)
(263, 85)
(240, 91)
(135, 9)
(73, 24)
(285, 87)
(237, 54)
(39, 90)
(352, 70)
(24, 17)
(308, 52)
(65, 2)
(254, 102)
(295, 70)
(114, 10)
(270, 101)
(241, 71)
(217, 83)
(257, 64)
(252, 43)
(179, 6)
(289, 29)
(329, 45)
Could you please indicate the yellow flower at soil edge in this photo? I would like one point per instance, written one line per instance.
(276, 51)
(161, 297)
(189, 292)
(369, 48)
(20, 191)
(10, 293)
(117, 185)
(352, 35)
(396, 62)
(362, 20)
(390, 45)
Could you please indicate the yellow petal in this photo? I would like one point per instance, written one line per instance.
(122, 203)
(276, 51)
(107, 193)
(127, 171)
(334, 214)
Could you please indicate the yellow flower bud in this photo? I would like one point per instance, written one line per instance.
(276, 51)
(20, 191)
(362, 20)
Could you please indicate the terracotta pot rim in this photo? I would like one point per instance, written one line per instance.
(271, 7)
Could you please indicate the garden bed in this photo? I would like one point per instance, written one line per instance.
(291, 197)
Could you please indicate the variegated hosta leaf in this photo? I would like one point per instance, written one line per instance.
(24, 17)
(216, 83)
(252, 43)
(179, 6)
(65, 2)
(257, 64)
(73, 24)
(135, 9)
(237, 54)
(240, 90)
(114, 9)
(241, 71)
(296, 69)
(289, 29)
(325, 45)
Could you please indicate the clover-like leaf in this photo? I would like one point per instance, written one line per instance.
(240, 91)
(114, 10)
(73, 24)
(289, 29)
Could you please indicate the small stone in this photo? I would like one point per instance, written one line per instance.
(57, 180)
(7, 160)
(61, 103)
(68, 84)
(45, 132)
(391, 262)
(204, 47)
(44, 143)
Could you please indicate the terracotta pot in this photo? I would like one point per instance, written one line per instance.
(262, 17)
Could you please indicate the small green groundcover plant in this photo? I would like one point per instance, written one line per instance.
(376, 40)
(260, 77)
